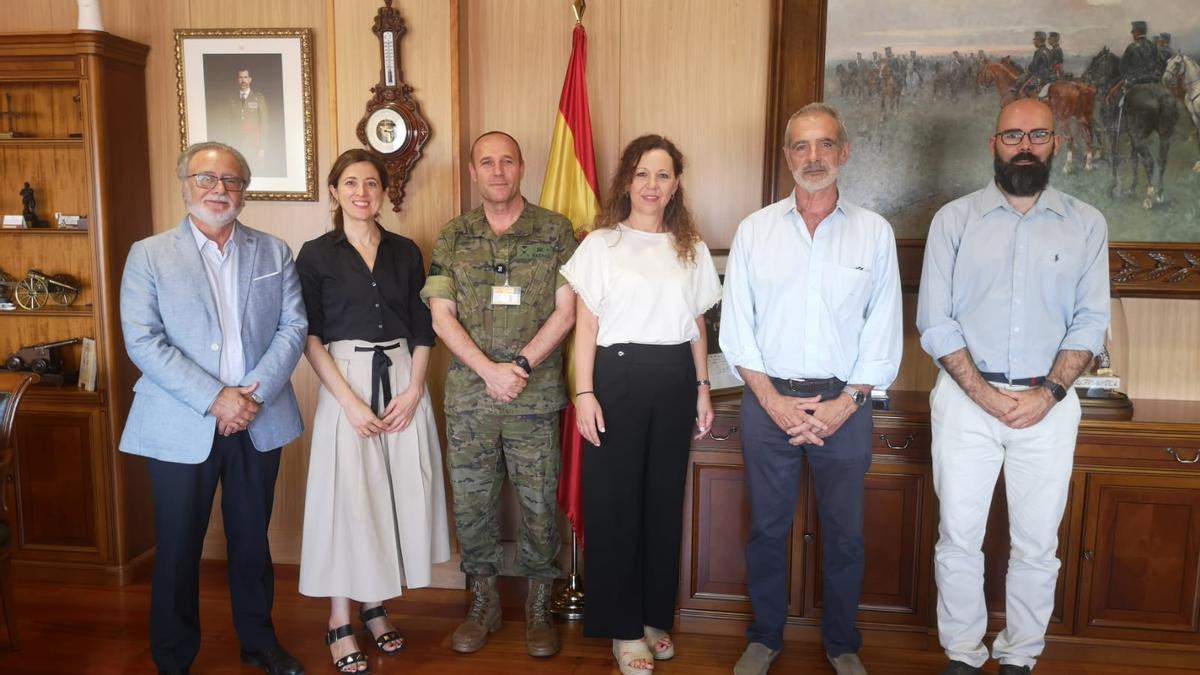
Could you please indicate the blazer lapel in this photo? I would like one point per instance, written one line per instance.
(247, 251)
(189, 259)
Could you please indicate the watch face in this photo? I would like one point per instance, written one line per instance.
(387, 131)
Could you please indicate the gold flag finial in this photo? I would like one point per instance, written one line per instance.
(579, 6)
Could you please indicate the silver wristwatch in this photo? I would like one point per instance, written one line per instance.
(857, 396)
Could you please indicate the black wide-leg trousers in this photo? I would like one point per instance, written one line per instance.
(183, 497)
(633, 487)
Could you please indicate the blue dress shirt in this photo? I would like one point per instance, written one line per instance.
(1014, 289)
(813, 306)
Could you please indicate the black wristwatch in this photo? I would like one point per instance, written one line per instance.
(1058, 391)
(524, 363)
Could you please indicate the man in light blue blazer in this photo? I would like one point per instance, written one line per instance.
(213, 317)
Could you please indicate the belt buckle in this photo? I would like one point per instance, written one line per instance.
(798, 385)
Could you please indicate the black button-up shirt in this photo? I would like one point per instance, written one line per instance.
(347, 301)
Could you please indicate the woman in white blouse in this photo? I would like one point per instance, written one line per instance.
(644, 280)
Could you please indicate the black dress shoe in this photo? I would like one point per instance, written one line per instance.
(960, 668)
(163, 671)
(276, 661)
(1012, 669)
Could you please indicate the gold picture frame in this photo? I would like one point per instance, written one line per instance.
(252, 89)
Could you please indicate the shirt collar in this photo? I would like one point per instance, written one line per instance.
(201, 240)
(338, 236)
(789, 204)
(478, 222)
(1050, 200)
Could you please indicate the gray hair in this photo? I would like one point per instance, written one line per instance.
(181, 166)
(817, 108)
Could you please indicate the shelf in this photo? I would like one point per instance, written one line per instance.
(51, 142)
(40, 230)
(84, 311)
(66, 392)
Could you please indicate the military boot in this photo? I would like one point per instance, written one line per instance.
(541, 639)
(482, 619)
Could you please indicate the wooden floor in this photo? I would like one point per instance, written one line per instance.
(102, 631)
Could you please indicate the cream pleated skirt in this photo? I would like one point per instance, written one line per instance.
(366, 536)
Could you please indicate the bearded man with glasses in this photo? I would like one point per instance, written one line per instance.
(212, 315)
(1013, 305)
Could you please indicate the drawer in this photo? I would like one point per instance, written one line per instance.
(725, 434)
(903, 441)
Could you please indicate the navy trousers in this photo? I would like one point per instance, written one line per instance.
(183, 497)
(773, 472)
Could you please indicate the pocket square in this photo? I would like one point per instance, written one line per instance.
(264, 276)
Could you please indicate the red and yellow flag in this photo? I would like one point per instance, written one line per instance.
(570, 188)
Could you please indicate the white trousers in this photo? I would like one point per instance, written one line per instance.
(969, 449)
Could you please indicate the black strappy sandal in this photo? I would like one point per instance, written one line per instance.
(390, 636)
(351, 659)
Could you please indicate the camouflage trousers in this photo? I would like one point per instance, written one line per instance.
(482, 449)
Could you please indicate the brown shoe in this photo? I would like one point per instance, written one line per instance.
(482, 619)
(541, 639)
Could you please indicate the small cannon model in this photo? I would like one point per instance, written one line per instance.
(41, 359)
(37, 288)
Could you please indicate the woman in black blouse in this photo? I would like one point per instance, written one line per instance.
(375, 514)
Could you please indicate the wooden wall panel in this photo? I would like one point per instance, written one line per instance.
(696, 72)
(516, 57)
(1163, 355)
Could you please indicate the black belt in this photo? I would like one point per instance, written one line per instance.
(379, 375)
(1022, 381)
(806, 386)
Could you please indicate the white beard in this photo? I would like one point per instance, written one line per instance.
(814, 185)
(210, 216)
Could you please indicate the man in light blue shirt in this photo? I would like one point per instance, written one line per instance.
(1014, 302)
(810, 320)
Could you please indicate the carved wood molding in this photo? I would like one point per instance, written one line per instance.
(1135, 269)
(1151, 269)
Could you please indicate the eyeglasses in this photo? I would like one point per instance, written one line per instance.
(1015, 136)
(208, 181)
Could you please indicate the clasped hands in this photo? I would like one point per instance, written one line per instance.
(1017, 409)
(505, 381)
(234, 409)
(808, 419)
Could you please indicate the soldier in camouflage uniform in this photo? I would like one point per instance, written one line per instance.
(501, 307)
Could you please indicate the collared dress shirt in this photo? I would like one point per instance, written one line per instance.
(1014, 289)
(221, 269)
(813, 306)
(346, 300)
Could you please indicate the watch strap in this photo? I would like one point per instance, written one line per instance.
(524, 363)
(855, 395)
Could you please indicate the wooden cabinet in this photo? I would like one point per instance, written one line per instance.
(82, 510)
(1129, 541)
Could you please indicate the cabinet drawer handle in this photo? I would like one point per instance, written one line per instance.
(1171, 452)
(727, 436)
(1088, 555)
(907, 442)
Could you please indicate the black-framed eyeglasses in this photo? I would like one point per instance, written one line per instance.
(1015, 136)
(208, 181)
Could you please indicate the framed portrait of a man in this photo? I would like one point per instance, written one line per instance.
(252, 89)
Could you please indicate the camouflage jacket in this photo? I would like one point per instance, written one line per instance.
(463, 268)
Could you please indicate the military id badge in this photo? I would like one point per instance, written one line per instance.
(506, 295)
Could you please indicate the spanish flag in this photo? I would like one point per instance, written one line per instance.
(570, 188)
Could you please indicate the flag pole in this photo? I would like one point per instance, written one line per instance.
(568, 603)
(570, 188)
